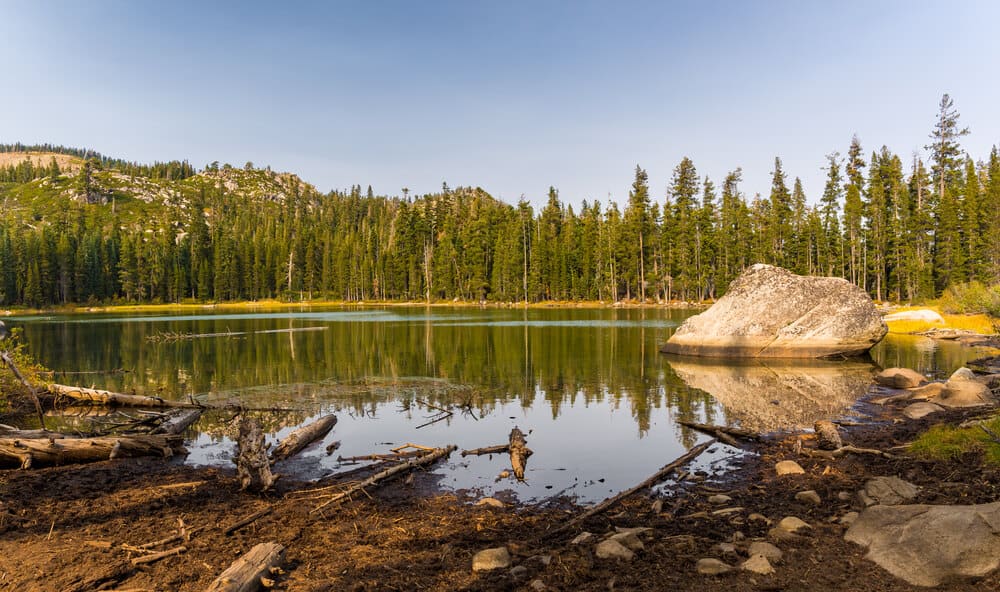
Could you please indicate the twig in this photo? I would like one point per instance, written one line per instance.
(832, 454)
(158, 556)
(245, 521)
(498, 449)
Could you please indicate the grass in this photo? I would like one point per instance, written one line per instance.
(951, 443)
(979, 323)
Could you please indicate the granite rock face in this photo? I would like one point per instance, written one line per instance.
(770, 312)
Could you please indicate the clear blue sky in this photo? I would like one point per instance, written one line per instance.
(509, 96)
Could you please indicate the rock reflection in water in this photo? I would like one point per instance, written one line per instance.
(774, 395)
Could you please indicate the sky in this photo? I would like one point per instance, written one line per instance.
(511, 96)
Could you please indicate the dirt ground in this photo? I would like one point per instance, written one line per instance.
(407, 537)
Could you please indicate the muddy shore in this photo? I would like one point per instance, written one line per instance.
(63, 528)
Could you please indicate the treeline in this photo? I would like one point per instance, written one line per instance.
(902, 230)
(174, 170)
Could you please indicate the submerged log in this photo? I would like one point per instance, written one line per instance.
(498, 449)
(252, 464)
(100, 397)
(728, 435)
(388, 474)
(32, 452)
(302, 437)
(519, 453)
(178, 421)
(245, 574)
(647, 483)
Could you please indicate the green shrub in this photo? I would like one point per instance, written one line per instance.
(10, 387)
(971, 298)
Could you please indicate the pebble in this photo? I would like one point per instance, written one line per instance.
(844, 496)
(758, 564)
(755, 517)
(491, 502)
(713, 567)
(503, 474)
(725, 548)
(848, 518)
(792, 524)
(727, 511)
(809, 497)
(543, 559)
(628, 539)
(583, 538)
(636, 530)
(719, 499)
(518, 571)
(657, 506)
(537, 585)
(489, 559)
(612, 549)
(768, 550)
(788, 467)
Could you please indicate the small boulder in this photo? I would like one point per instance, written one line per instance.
(921, 314)
(612, 549)
(758, 564)
(928, 391)
(900, 378)
(928, 545)
(963, 390)
(788, 467)
(628, 539)
(490, 559)
(792, 524)
(921, 409)
(713, 567)
(808, 497)
(765, 549)
(887, 491)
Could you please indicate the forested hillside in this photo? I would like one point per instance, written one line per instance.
(96, 229)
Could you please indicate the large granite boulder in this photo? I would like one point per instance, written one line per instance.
(929, 545)
(770, 312)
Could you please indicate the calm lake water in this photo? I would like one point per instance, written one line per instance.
(598, 401)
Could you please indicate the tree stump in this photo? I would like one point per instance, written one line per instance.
(252, 463)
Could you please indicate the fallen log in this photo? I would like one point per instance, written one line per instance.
(100, 397)
(725, 434)
(498, 449)
(30, 453)
(178, 421)
(245, 574)
(519, 453)
(387, 474)
(30, 434)
(302, 437)
(649, 482)
(252, 464)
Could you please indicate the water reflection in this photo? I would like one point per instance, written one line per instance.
(771, 395)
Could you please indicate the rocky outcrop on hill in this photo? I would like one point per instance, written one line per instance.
(770, 312)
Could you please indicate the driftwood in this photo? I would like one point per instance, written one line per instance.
(141, 560)
(245, 574)
(100, 397)
(178, 421)
(649, 482)
(498, 449)
(519, 453)
(725, 434)
(12, 432)
(34, 395)
(248, 520)
(832, 454)
(387, 474)
(827, 435)
(252, 464)
(302, 437)
(30, 453)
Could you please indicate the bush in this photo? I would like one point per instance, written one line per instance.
(10, 387)
(971, 298)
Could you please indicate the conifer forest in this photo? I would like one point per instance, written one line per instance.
(84, 228)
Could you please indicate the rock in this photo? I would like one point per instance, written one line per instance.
(963, 390)
(788, 467)
(719, 499)
(921, 314)
(770, 312)
(582, 539)
(755, 517)
(792, 524)
(921, 409)
(628, 539)
(844, 496)
(612, 549)
(543, 559)
(929, 545)
(848, 518)
(758, 564)
(725, 548)
(657, 506)
(928, 391)
(827, 435)
(713, 567)
(491, 502)
(900, 378)
(489, 559)
(636, 530)
(887, 491)
(767, 550)
(537, 585)
(503, 474)
(809, 497)
(518, 571)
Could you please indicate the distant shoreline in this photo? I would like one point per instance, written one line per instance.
(263, 305)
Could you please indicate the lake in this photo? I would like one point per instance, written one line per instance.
(598, 402)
